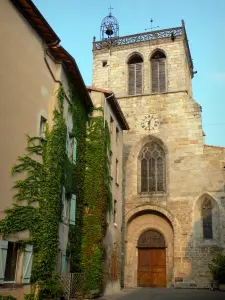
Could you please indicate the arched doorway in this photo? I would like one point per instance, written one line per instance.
(151, 259)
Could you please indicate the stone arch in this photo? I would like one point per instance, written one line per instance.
(148, 207)
(197, 219)
(132, 54)
(161, 242)
(154, 51)
(139, 220)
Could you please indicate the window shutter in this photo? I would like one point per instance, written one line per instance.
(27, 263)
(64, 262)
(73, 209)
(139, 78)
(162, 76)
(155, 77)
(67, 139)
(131, 79)
(64, 215)
(3, 255)
(74, 150)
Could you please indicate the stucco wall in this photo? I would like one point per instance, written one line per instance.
(26, 88)
(112, 241)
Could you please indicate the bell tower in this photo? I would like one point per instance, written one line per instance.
(167, 166)
(109, 27)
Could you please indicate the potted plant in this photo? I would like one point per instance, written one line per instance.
(217, 268)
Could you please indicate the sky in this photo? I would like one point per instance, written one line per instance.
(77, 22)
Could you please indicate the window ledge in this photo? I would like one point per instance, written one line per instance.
(153, 194)
(149, 94)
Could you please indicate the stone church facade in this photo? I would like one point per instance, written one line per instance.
(174, 197)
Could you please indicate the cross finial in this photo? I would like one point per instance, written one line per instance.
(110, 10)
(151, 21)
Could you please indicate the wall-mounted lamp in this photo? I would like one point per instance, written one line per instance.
(86, 209)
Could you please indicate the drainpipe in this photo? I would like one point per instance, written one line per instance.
(45, 47)
(105, 106)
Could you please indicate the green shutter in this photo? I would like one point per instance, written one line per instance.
(27, 263)
(67, 139)
(64, 262)
(74, 150)
(3, 255)
(64, 214)
(73, 209)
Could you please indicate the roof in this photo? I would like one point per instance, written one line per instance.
(114, 104)
(48, 35)
(213, 146)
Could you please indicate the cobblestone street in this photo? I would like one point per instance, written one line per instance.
(165, 294)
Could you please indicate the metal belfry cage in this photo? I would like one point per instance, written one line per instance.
(109, 28)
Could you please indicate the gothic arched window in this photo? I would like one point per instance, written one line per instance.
(152, 168)
(158, 68)
(207, 219)
(135, 75)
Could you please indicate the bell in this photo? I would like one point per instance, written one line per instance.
(109, 30)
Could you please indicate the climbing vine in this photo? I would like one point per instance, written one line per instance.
(45, 168)
(97, 196)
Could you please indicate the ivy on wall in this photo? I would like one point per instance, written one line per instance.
(44, 169)
(47, 168)
(98, 198)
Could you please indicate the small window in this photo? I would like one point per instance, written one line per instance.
(117, 134)
(158, 69)
(11, 262)
(207, 219)
(104, 63)
(115, 212)
(43, 122)
(110, 163)
(73, 209)
(64, 205)
(135, 75)
(117, 172)
(64, 262)
(111, 124)
(74, 150)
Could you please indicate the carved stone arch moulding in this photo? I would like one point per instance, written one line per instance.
(133, 53)
(157, 50)
(151, 239)
(144, 208)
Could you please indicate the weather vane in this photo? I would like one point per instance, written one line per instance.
(151, 21)
(110, 10)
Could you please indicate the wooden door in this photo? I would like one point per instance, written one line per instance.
(151, 267)
(144, 272)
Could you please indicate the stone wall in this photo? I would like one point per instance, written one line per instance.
(193, 170)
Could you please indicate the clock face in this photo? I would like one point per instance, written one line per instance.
(149, 122)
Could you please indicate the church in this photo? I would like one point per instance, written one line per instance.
(173, 183)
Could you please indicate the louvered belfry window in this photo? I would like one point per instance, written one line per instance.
(207, 219)
(158, 69)
(153, 168)
(135, 75)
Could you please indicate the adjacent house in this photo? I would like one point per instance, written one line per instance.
(41, 89)
(117, 123)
